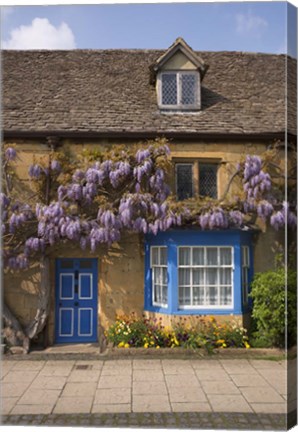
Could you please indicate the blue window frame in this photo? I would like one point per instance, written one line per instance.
(206, 272)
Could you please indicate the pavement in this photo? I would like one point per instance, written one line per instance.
(163, 392)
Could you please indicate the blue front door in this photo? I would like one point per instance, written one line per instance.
(76, 300)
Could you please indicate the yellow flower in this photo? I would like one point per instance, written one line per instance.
(246, 344)
(120, 344)
(224, 345)
(220, 341)
(126, 345)
(146, 345)
(157, 346)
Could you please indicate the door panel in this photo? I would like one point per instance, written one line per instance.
(66, 286)
(66, 322)
(76, 300)
(85, 286)
(85, 321)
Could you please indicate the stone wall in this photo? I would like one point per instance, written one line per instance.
(121, 271)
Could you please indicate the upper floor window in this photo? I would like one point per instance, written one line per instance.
(179, 90)
(196, 178)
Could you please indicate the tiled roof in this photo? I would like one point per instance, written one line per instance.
(103, 91)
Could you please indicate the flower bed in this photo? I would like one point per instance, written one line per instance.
(133, 332)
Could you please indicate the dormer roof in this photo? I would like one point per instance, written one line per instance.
(184, 48)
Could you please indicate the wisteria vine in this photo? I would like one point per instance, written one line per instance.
(126, 193)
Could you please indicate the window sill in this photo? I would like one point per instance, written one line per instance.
(185, 312)
(179, 111)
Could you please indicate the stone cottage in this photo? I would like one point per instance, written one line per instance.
(213, 107)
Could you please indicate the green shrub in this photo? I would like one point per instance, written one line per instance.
(269, 293)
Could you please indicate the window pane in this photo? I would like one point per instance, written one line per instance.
(245, 259)
(208, 180)
(244, 276)
(211, 256)
(184, 256)
(66, 264)
(163, 256)
(184, 276)
(211, 276)
(184, 296)
(184, 186)
(198, 256)
(225, 295)
(188, 89)
(164, 276)
(225, 256)
(157, 275)
(212, 295)
(157, 293)
(198, 296)
(154, 256)
(164, 293)
(225, 276)
(85, 264)
(169, 89)
(198, 276)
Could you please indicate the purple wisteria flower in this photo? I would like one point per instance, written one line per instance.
(55, 166)
(10, 154)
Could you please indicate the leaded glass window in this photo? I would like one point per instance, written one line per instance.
(169, 89)
(184, 181)
(205, 276)
(208, 180)
(179, 90)
(188, 89)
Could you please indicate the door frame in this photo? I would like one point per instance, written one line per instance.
(58, 271)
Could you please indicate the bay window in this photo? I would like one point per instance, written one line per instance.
(195, 272)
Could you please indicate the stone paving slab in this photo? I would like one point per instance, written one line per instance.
(7, 404)
(191, 394)
(149, 388)
(74, 389)
(48, 382)
(13, 389)
(191, 407)
(111, 408)
(150, 403)
(229, 403)
(181, 381)
(261, 394)
(112, 396)
(39, 397)
(220, 387)
(121, 381)
(212, 375)
(71, 405)
(32, 409)
(20, 376)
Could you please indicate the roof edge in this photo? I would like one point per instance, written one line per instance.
(265, 136)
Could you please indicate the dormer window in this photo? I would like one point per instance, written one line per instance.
(179, 90)
(178, 75)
